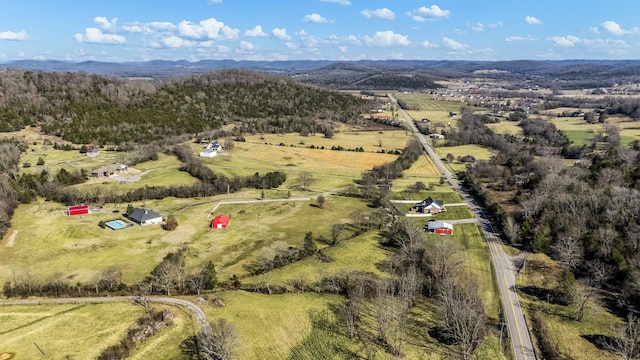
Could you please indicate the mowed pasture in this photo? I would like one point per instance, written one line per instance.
(479, 152)
(580, 132)
(308, 326)
(506, 128)
(83, 331)
(44, 240)
(360, 254)
(425, 102)
(162, 172)
(331, 169)
(269, 326)
(425, 106)
(257, 229)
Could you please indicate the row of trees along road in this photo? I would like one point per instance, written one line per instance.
(585, 216)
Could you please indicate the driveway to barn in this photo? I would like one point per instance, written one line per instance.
(506, 267)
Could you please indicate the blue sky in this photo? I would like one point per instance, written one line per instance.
(137, 30)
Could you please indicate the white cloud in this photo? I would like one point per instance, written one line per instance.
(96, 36)
(149, 28)
(614, 28)
(566, 41)
(209, 28)
(387, 39)
(246, 46)
(281, 34)
(177, 42)
(594, 30)
(428, 44)
(530, 20)
(291, 45)
(514, 38)
(477, 27)
(215, 1)
(431, 13)
(104, 23)
(255, 32)
(341, 2)
(382, 13)
(454, 45)
(315, 18)
(12, 35)
(343, 49)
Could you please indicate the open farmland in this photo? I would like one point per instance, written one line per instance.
(506, 128)
(479, 152)
(580, 132)
(162, 172)
(59, 330)
(332, 168)
(47, 241)
(424, 106)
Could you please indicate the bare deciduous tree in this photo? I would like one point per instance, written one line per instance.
(512, 230)
(462, 312)
(569, 251)
(219, 341)
(305, 179)
(627, 345)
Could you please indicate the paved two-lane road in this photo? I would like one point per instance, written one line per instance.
(503, 264)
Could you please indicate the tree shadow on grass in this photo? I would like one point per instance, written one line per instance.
(602, 342)
(537, 292)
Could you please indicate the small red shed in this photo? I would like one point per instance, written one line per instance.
(220, 222)
(78, 210)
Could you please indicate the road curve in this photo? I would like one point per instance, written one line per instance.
(195, 310)
(505, 270)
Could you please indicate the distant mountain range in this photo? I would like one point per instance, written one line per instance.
(569, 73)
(161, 68)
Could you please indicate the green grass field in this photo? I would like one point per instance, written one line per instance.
(426, 102)
(269, 326)
(44, 241)
(332, 169)
(447, 195)
(360, 254)
(82, 331)
(566, 332)
(480, 153)
(506, 128)
(162, 172)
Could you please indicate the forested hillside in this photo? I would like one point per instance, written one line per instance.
(84, 108)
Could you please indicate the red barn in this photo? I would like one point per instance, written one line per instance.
(78, 210)
(440, 227)
(220, 222)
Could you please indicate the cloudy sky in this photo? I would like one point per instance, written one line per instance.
(141, 30)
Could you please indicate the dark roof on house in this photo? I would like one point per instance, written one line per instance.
(428, 201)
(141, 215)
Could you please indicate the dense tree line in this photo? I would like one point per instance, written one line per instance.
(88, 109)
(585, 216)
(10, 189)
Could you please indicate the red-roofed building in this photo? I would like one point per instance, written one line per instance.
(78, 210)
(439, 227)
(220, 222)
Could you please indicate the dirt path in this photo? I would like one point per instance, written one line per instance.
(11, 239)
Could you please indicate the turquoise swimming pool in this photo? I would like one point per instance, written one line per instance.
(117, 224)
